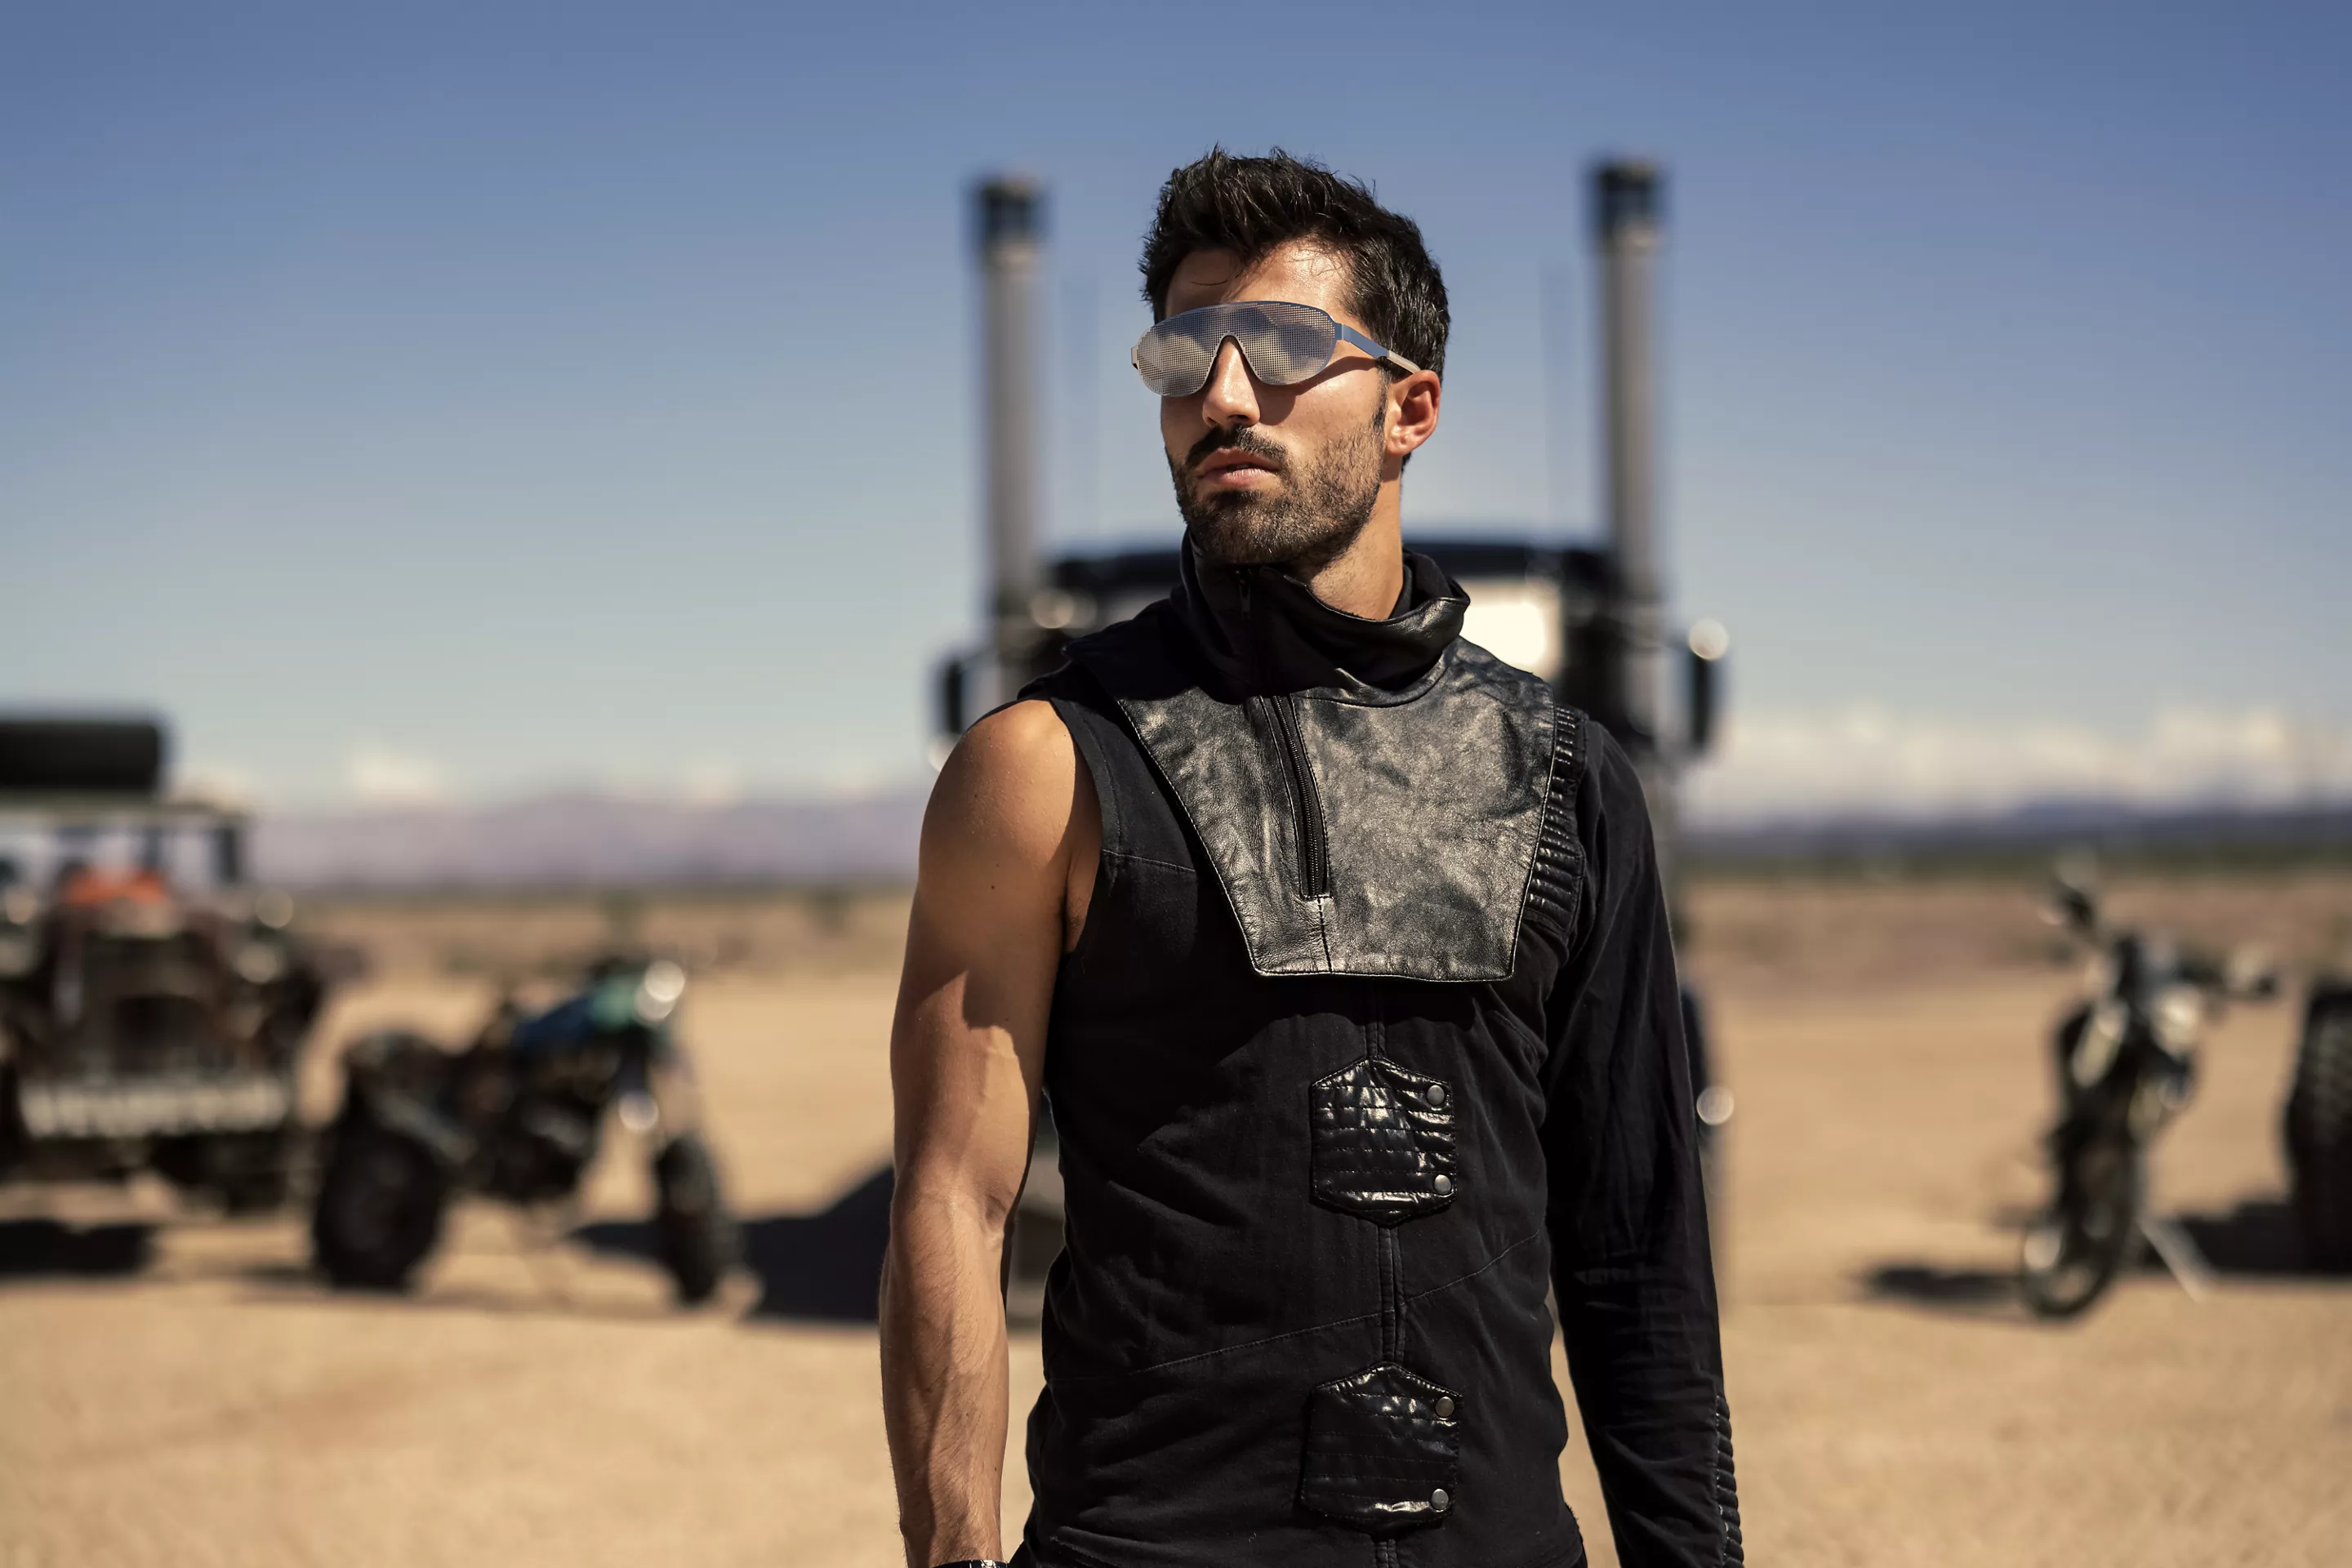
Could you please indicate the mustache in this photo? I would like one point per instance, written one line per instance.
(1242, 439)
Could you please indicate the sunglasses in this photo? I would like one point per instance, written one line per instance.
(1283, 344)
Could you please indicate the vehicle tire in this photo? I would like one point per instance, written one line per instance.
(2074, 1250)
(252, 1174)
(14, 1140)
(2320, 1129)
(378, 1210)
(696, 1235)
(254, 1193)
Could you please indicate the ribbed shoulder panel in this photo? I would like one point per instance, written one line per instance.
(1555, 880)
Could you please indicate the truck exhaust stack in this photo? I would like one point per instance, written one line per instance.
(1010, 213)
(1625, 210)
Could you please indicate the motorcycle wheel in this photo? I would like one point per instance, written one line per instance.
(378, 1208)
(697, 1237)
(2319, 1130)
(2074, 1250)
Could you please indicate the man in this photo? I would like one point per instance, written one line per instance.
(1341, 953)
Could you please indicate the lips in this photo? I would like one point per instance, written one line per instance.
(1232, 467)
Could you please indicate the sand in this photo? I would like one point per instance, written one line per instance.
(178, 1390)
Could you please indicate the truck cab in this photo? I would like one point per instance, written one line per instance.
(1543, 606)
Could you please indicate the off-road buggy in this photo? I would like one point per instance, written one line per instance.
(153, 1006)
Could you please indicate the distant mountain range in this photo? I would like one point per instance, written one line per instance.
(576, 840)
(594, 840)
(2042, 827)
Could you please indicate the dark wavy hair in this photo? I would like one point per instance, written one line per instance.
(1251, 206)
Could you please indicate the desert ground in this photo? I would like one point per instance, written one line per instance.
(176, 1389)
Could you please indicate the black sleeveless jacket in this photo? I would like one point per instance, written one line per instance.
(1372, 1035)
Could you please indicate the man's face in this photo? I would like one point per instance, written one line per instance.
(1275, 475)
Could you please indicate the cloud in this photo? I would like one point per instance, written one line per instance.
(210, 778)
(1868, 760)
(711, 785)
(380, 775)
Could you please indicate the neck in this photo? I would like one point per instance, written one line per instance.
(1366, 578)
(1266, 628)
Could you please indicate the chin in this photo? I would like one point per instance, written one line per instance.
(1267, 532)
(1241, 531)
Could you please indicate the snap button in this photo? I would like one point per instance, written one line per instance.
(1444, 1406)
(1441, 1500)
(1442, 1185)
(1436, 1096)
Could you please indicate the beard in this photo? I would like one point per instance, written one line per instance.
(1321, 507)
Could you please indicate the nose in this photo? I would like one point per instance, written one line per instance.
(1230, 400)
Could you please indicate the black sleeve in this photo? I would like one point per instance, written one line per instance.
(1632, 1271)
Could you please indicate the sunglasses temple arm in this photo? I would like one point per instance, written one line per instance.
(1349, 334)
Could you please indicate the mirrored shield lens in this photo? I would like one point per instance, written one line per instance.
(1174, 356)
(1285, 344)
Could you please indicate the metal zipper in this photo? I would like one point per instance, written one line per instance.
(1314, 848)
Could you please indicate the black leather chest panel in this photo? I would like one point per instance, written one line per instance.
(1355, 832)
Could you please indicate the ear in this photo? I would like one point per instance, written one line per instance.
(1412, 413)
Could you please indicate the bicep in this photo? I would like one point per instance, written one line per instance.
(984, 943)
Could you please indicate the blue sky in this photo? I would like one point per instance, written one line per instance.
(484, 399)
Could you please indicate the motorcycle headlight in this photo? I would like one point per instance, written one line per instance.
(657, 992)
(259, 963)
(2178, 1013)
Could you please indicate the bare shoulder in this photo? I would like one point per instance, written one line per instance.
(1009, 794)
(1024, 739)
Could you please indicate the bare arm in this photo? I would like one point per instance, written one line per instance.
(1008, 854)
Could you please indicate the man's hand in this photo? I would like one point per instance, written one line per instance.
(1010, 842)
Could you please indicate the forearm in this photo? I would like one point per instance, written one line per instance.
(944, 1392)
(1632, 1272)
(1643, 1348)
(1635, 1286)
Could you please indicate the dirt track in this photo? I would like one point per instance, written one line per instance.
(181, 1393)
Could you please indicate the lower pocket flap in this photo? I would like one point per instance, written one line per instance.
(1383, 1450)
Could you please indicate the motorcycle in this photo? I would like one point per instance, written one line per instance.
(2126, 1064)
(518, 1116)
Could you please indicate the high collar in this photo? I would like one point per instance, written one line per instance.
(1260, 629)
